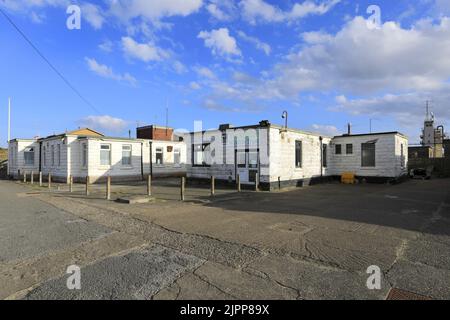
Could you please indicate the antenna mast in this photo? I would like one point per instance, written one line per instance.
(9, 120)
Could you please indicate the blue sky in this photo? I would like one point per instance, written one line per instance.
(326, 62)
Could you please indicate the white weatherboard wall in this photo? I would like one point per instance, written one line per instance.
(56, 164)
(282, 155)
(16, 158)
(387, 155)
(168, 167)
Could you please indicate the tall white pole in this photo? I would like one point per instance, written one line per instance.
(9, 120)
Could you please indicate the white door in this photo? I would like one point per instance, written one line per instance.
(247, 166)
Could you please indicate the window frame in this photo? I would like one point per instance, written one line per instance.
(162, 156)
(177, 153)
(25, 153)
(363, 158)
(129, 163)
(84, 155)
(347, 148)
(204, 146)
(338, 149)
(325, 155)
(298, 154)
(109, 150)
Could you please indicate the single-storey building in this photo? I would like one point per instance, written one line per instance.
(85, 152)
(279, 157)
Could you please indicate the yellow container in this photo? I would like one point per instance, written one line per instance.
(348, 178)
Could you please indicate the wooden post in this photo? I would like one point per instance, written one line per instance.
(70, 184)
(256, 182)
(32, 177)
(213, 185)
(279, 183)
(108, 188)
(149, 185)
(49, 180)
(87, 185)
(183, 182)
(40, 178)
(24, 177)
(238, 182)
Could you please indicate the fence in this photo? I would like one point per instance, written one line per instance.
(441, 166)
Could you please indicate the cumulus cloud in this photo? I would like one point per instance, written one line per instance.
(179, 68)
(153, 10)
(327, 130)
(260, 11)
(107, 72)
(93, 15)
(204, 72)
(220, 42)
(222, 10)
(143, 51)
(265, 47)
(104, 122)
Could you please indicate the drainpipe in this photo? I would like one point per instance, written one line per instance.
(321, 156)
(142, 160)
(151, 159)
(40, 156)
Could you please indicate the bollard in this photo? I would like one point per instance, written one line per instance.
(24, 177)
(279, 183)
(40, 178)
(183, 182)
(49, 180)
(213, 185)
(108, 188)
(87, 185)
(149, 185)
(256, 183)
(70, 184)
(32, 177)
(238, 183)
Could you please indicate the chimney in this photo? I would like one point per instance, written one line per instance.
(349, 129)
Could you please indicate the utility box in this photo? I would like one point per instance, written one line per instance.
(348, 178)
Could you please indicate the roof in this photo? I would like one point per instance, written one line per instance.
(371, 134)
(85, 132)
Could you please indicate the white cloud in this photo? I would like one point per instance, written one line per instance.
(37, 17)
(256, 42)
(105, 122)
(222, 10)
(155, 9)
(93, 15)
(260, 11)
(107, 72)
(143, 51)
(179, 68)
(327, 130)
(220, 42)
(106, 46)
(204, 72)
(194, 86)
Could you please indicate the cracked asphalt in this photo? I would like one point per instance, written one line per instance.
(309, 243)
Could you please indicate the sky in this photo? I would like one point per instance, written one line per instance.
(326, 62)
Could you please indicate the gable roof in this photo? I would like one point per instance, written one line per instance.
(85, 132)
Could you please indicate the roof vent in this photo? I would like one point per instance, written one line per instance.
(225, 126)
(264, 123)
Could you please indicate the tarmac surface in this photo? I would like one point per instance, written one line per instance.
(308, 243)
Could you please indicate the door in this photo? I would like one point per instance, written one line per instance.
(247, 165)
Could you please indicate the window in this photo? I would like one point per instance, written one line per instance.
(349, 148)
(53, 155)
(338, 149)
(84, 156)
(105, 154)
(159, 156)
(368, 155)
(324, 156)
(252, 159)
(177, 156)
(298, 154)
(126, 155)
(402, 159)
(59, 154)
(29, 156)
(200, 154)
(241, 159)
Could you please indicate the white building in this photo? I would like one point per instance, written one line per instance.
(85, 152)
(280, 157)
